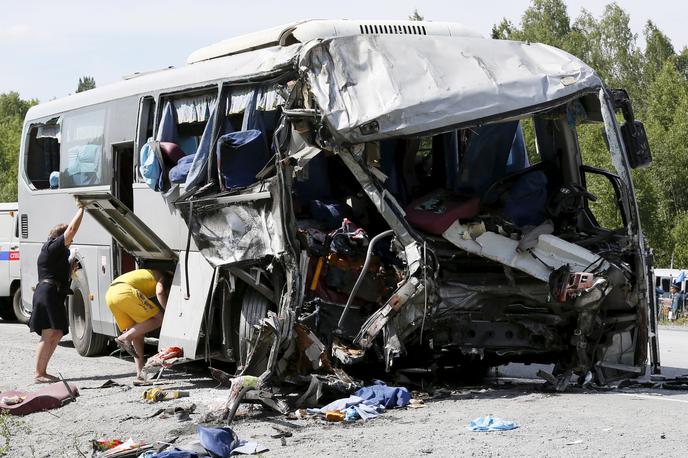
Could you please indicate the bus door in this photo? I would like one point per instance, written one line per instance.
(193, 275)
(122, 181)
(137, 239)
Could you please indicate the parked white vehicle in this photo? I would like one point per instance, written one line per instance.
(664, 278)
(11, 305)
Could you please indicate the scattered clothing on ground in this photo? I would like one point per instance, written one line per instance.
(490, 423)
(367, 402)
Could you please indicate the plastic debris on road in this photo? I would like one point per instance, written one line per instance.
(158, 394)
(490, 423)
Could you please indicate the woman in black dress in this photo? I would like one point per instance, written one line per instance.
(49, 316)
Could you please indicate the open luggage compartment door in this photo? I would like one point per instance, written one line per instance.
(130, 232)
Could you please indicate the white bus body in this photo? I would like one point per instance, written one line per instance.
(332, 99)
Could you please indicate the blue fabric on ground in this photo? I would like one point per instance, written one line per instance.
(339, 404)
(363, 411)
(491, 423)
(387, 396)
(353, 407)
(218, 441)
(368, 402)
(175, 454)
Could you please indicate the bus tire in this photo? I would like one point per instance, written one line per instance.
(254, 307)
(20, 311)
(86, 342)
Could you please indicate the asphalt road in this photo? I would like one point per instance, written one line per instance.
(630, 422)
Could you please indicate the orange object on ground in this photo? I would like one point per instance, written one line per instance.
(334, 415)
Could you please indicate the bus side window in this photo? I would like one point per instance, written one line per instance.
(145, 129)
(43, 154)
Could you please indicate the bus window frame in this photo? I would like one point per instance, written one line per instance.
(26, 146)
(140, 138)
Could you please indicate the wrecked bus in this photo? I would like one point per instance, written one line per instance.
(334, 194)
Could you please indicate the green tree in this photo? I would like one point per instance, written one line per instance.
(86, 83)
(656, 80)
(679, 236)
(503, 31)
(416, 16)
(12, 112)
(658, 50)
(546, 21)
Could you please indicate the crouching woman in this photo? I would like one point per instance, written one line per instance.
(128, 298)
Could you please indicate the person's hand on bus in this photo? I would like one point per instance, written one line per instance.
(73, 226)
(79, 203)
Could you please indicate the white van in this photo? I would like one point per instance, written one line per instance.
(10, 292)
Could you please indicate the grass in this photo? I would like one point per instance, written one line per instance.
(9, 425)
(683, 321)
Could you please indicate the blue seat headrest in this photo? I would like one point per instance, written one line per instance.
(242, 155)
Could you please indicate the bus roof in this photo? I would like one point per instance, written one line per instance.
(243, 56)
(406, 83)
(391, 87)
(237, 66)
(305, 31)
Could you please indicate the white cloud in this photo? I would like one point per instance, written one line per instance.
(15, 32)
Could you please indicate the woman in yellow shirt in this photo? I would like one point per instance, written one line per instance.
(128, 297)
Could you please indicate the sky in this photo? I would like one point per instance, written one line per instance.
(47, 45)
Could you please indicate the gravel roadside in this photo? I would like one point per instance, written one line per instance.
(575, 424)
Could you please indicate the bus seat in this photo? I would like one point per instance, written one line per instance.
(188, 144)
(197, 173)
(180, 171)
(316, 186)
(84, 165)
(526, 201)
(435, 212)
(242, 155)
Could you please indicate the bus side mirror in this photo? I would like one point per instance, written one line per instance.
(637, 147)
(632, 131)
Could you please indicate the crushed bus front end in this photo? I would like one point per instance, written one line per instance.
(430, 205)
